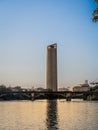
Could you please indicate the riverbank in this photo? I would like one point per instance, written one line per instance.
(23, 96)
(14, 96)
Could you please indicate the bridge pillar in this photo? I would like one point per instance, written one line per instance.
(68, 98)
(34, 95)
(84, 97)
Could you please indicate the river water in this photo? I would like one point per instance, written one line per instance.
(48, 115)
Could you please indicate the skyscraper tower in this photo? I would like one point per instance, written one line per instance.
(51, 68)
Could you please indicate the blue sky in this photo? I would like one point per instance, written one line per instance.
(28, 26)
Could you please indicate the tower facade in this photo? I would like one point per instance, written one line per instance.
(51, 68)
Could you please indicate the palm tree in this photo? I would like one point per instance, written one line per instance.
(95, 13)
(96, 1)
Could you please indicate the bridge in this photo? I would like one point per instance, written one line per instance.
(68, 95)
(40, 95)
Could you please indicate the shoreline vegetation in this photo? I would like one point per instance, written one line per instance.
(5, 94)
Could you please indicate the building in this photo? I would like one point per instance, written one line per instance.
(51, 68)
(63, 89)
(16, 89)
(82, 88)
(39, 89)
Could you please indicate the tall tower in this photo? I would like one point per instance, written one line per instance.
(51, 68)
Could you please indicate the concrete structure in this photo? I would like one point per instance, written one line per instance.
(51, 68)
(82, 88)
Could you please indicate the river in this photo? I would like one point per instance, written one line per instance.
(48, 115)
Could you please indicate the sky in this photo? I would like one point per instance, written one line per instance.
(27, 27)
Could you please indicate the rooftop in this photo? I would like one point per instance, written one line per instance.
(53, 45)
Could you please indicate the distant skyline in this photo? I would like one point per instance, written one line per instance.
(27, 27)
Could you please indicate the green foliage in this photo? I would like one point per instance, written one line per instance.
(96, 1)
(95, 88)
(95, 13)
(2, 88)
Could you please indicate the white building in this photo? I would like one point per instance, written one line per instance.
(63, 89)
(82, 88)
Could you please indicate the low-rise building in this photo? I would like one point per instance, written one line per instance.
(39, 89)
(16, 89)
(63, 89)
(82, 88)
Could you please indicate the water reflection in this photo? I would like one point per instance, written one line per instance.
(52, 115)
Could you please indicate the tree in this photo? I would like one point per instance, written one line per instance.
(2, 88)
(95, 13)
